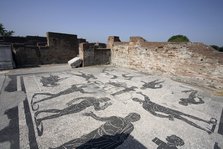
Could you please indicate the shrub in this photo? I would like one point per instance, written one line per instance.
(215, 47)
(220, 49)
(4, 32)
(178, 38)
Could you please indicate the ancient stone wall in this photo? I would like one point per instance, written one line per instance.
(102, 56)
(188, 62)
(26, 55)
(25, 40)
(34, 50)
(86, 53)
(94, 54)
(62, 47)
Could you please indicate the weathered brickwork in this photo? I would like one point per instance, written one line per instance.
(94, 54)
(187, 62)
(34, 51)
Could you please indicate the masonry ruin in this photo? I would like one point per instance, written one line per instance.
(55, 106)
(193, 63)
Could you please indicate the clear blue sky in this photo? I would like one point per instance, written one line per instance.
(95, 20)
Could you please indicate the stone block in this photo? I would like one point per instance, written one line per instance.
(75, 62)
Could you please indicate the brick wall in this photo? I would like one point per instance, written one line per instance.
(34, 51)
(26, 55)
(187, 62)
(102, 56)
(62, 47)
(94, 54)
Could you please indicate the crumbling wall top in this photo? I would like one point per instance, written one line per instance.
(53, 38)
(136, 39)
(111, 40)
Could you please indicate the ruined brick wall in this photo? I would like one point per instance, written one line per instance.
(26, 55)
(25, 40)
(94, 54)
(34, 50)
(86, 53)
(188, 62)
(62, 48)
(102, 56)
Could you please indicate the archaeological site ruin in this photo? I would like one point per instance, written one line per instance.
(61, 91)
(194, 63)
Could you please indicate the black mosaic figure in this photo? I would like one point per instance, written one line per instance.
(109, 74)
(153, 84)
(106, 69)
(71, 109)
(127, 77)
(156, 109)
(123, 85)
(87, 77)
(117, 84)
(110, 135)
(11, 132)
(113, 76)
(172, 142)
(216, 146)
(191, 99)
(127, 89)
(50, 81)
(70, 90)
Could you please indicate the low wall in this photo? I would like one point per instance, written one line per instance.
(6, 60)
(26, 55)
(59, 48)
(187, 62)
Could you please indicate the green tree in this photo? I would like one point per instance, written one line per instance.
(220, 49)
(4, 32)
(178, 38)
(215, 47)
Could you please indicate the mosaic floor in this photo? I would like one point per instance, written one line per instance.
(110, 107)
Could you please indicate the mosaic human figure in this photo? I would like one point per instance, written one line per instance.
(153, 84)
(123, 85)
(50, 81)
(216, 146)
(118, 84)
(164, 112)
(72, 89)
(127, 89)
(191, 99)
(87, 77)
(10, 133)
(127, 77)
(172, 142)
(109, 74)
(110, 135)
(71, 109)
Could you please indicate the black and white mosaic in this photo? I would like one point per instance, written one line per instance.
(62, 119)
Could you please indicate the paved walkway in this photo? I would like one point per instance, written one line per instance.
(105, 107)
